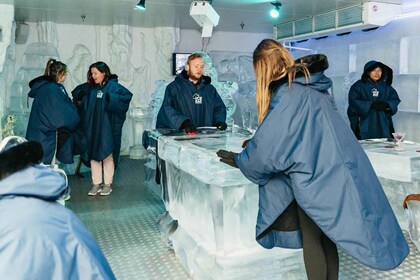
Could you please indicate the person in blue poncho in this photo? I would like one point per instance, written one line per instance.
(373, 102)
(191, 100)
(317, 188)
(103, 104)
(53, 117)
(40, 238)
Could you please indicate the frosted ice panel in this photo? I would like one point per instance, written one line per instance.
(296, 53)
(387, 53)
(218, 218)
(40, 49)
(340, 95)
(400, 166)
(408, 122)
(254, 264)
(396, 192)
(338, 58)
(407, 87)
(410, 55)
(233, 66)
(247, 114)
(157, 98)
(246, 69)
(414, 222)
(399, 172)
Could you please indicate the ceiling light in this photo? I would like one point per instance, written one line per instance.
(141, 5)
(275, 12)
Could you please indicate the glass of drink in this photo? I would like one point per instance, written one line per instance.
(399, 137)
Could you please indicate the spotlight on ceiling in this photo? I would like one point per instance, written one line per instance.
(141, 5)
(275, 12)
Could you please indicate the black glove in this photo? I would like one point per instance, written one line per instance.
(80, 96)
(188, 126)
(107, 97)
(245, 143)
(379, 105)
(228, 157)
(62, 135)
(221, 125)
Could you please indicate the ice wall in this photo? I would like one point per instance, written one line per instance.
(141, 57)
(396, 45)
(6, 56)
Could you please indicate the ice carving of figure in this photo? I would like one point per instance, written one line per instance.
(47, 33)
(9, 126)
(225, 89)
(78, 65)
(157, 98)
(33, 65)
(137, 79)
(166, 39)
(228, 69)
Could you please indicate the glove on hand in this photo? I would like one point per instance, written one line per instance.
(245, 143)
(188, 126)
(379, 105)
(80, 96)
(228, 157)
(221, 125)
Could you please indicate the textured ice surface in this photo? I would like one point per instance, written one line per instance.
(398, 171)
(216, 209)
(414, 222)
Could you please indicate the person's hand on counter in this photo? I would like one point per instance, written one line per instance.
(227, 157)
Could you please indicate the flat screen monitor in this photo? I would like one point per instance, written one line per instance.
(178, 62)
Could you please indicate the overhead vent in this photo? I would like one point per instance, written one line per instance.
(362, 16)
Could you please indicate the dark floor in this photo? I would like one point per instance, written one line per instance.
(124, 224)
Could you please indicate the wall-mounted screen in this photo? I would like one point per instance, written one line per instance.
(178, 62)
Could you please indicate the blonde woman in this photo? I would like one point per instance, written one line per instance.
(317, 188)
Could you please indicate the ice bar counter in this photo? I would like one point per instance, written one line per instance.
(398, 171)
(216, 208)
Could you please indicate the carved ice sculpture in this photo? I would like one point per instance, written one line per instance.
(226, 89)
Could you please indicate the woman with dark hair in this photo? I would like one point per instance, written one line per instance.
(372, 102)
(102, 103)
(53, 116)
(317, 188)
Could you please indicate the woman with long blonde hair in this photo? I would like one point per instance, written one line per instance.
(317, 188)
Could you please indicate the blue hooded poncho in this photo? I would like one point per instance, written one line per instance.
(365, 121)
(52, 112)
(184, 100)
(40, 238)
(304, 151)
(102, 119)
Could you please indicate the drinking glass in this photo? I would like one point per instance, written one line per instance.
(399, 137)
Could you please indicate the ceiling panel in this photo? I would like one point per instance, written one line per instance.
(252, 13)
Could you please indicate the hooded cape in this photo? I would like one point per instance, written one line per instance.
(52, 120)
(40, 238)
(102, 119)
(184, 100)
(366, 122)
(304, 151)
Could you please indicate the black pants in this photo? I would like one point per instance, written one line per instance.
(319, 252)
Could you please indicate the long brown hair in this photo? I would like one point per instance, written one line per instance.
(271, 63)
